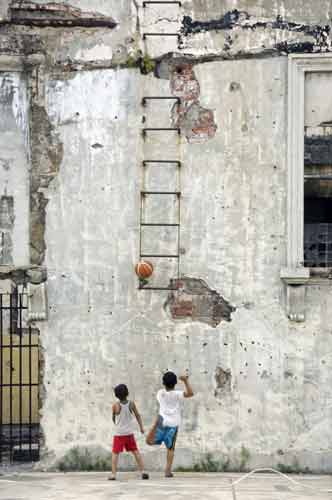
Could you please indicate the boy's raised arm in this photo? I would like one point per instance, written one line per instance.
(138, 417)
(188, 393)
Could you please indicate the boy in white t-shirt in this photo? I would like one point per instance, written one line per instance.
(166, 426)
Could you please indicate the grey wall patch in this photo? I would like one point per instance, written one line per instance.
(7, 219)
(196, 301)
(223, 379)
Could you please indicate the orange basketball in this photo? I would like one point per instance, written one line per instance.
(144, 269)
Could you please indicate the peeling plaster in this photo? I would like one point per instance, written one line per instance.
(196, 301)
(57, 14)
(197, 123)
(46, 157)
(321, 34)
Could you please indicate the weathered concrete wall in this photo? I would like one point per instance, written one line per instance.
(261, 382)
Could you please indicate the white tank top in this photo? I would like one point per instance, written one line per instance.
(124, 422)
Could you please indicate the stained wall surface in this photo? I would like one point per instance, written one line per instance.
(262, 383)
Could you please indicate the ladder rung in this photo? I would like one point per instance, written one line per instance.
(160, 2)
(154, 98)
(161, 129)
(161, 34)
(142, 287)
(161, 256)
(178, 163)
(159, 224)
(177, 193)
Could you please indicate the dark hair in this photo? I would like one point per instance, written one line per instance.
(170, 380)
(121, 391)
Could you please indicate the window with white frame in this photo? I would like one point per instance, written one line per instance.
(318, 170)
(309, 161)
(309, 165)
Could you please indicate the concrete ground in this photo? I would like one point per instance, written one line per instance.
(94, 486)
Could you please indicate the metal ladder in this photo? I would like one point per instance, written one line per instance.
(146, 194)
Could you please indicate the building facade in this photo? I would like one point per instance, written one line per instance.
(196, 135)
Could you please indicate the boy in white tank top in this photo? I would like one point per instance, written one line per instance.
(124, 416)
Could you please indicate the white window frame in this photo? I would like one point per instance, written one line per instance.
(295, 273)
(298, 66)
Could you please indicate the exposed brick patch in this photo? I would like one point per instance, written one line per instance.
(196, 301)
(182, 308)
(56, 14)
(223, 379)
(196, 122)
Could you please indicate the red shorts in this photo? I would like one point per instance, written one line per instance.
(121, 443)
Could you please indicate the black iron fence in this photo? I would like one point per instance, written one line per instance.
(19, 381)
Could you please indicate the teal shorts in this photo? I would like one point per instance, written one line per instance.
(166, 435)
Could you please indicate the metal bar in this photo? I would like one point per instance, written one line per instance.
(17, 346)
(30, 396)
(155, 288)
(145, 99)
(178, 163)
(162, 256)
(38, 394)
(23, 385)
(141, 219)
(148, 2)
(179, 246)
(21, 378)
(1, 380)
(145, 35)
(318, 177)
(10, 308)
(161, 129)
(10, 380)
(158, 224)
(177, 193)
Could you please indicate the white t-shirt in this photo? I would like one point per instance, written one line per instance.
(170, 407)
